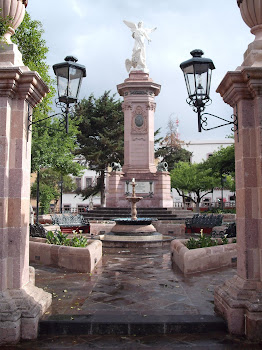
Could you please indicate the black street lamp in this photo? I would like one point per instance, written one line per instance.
(197, 73)
(69, 78)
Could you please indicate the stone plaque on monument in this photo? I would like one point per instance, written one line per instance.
(144, 187)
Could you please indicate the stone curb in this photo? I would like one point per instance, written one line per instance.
(130, 324)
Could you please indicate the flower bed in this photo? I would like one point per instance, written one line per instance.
(202, 259)
(71, 258)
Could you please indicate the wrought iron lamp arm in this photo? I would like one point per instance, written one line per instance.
(202, 121)
(65, 112)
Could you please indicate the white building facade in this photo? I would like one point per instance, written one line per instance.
(201, 150)
(72, 202)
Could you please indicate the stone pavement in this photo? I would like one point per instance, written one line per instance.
(135, 299)
(132, 282)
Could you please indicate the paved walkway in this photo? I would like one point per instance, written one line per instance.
(140, 282)
(131, 285)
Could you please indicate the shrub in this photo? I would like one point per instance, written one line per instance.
(60, 238)
(205, 241)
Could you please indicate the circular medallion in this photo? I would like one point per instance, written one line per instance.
(139, 120)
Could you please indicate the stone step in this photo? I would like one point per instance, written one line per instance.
(130, 324)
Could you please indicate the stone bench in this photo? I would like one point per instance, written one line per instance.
(69, 222)
(205, 222)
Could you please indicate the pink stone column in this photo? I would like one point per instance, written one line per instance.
(239, 300)
(21, 303)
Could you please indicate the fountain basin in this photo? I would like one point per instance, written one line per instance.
(131, 227)
(129, 232)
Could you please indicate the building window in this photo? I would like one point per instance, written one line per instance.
(67, 208)
(89, 181)
(81, 208)
(78, 183)
(209, 155)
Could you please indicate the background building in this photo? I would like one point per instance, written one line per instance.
(201, 150)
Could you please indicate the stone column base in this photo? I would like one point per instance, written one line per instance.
(20, 312)
(240, 303)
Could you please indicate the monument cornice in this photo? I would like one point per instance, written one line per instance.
(241, 84)
(24, 84)
(145, 87)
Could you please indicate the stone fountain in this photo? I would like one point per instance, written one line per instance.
(133, 231)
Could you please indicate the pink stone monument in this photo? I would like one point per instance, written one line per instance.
(239, 300)
(139, 92)
(21, 303)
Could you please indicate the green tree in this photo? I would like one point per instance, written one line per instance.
(222, 163)
(50, 148)
(193, 181)
(49, 187)
(101, 136)
(170, 148)
(223, 160)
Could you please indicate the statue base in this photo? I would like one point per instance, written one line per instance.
(154, 188)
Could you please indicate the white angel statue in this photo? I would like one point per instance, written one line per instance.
(139, 33)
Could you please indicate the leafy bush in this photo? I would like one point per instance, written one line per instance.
(202, 242)
(205, 241)
(4, 24)
(60, 238)
(220, 211)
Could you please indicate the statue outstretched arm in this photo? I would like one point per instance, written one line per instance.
(149, 31)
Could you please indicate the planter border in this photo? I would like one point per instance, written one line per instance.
(202, 259)
(71, 258)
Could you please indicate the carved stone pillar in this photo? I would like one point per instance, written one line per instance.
(239, 300)
(21, 303)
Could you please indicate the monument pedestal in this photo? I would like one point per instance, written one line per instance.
(21, 303)
(154, 186)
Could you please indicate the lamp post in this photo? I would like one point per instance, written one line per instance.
(69, 76)
(197, 73)
(60, 183)
(223, 181)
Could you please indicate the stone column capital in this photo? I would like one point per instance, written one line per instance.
(241, 84)
(24, 84)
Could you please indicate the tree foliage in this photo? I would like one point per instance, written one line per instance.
(222, 163)
(193, 181)
(101, 137)
(223, 160)
(49, 187)
(170, 147)
(50, 148)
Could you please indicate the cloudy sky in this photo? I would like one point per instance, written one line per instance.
(94, 32)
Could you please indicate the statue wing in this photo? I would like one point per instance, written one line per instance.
(131, 25)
